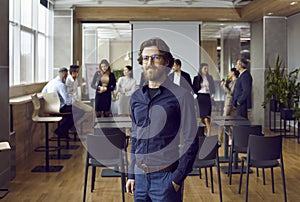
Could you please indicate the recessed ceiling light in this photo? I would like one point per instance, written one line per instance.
(270, 13)
(293, 3)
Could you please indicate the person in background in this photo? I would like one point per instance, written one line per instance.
(72, 83)
(179, 77)
(242, 99)
(125, 88)
(104, 82)
(58, 85)
(229, 86)
(161, 111)
(204, 88)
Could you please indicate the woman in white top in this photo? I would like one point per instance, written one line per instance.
(125, 87)
(204, 87)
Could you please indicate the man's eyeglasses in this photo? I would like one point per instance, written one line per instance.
(155, 58)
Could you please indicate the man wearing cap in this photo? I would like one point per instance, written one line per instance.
(161, 111)
(58, 85)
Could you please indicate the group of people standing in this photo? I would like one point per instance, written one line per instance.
(238, 89)
(104, 82)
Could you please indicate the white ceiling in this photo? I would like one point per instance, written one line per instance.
(58, 4)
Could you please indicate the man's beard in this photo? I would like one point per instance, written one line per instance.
(154, 73)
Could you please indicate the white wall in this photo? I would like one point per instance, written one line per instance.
(293, 41)
(182, 38)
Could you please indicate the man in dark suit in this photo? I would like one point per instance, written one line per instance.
(180, 77)
(242, 93)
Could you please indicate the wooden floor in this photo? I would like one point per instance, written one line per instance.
(67, 185)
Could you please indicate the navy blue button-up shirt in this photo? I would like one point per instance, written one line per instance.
(164, 129)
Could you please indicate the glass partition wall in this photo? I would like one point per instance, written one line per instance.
(221, 44)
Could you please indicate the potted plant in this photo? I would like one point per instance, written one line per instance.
(290, 95)
(275, 85)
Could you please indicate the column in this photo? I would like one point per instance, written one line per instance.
(230, 49)
(4, 91)
(268, 40)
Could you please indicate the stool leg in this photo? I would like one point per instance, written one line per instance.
(47, 147)
(6, 191)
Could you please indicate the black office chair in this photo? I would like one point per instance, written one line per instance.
(208, 157)
(104, 151)
(240, 136)
(264, 152)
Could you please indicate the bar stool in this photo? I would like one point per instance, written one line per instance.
(52, 107)
(4, 146)
(47, 148)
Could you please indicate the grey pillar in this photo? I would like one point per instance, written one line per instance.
(63, 39)
(268, 40)
(231, 48)
(90, 46)
(4, 92)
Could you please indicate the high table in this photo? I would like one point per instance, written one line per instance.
(227, 122)
(115, 119)
(112, 122)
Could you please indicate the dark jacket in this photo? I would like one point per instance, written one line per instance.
(243, 89)
(158, 123)
(185, 82)
(197, 85)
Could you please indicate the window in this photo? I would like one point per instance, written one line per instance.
(26, 67)
(41, 68)
(26, 13)
(30, 42)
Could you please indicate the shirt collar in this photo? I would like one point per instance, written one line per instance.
(242, 72)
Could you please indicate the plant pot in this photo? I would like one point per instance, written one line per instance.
(276, 106)
(287, 114)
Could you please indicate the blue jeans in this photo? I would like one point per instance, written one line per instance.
(155, 187)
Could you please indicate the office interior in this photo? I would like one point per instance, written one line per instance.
(40, 36)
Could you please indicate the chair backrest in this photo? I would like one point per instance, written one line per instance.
(209, 148)
(36, 105)
(51, 103)
(105, 148)
(240, 134)
(265, 148)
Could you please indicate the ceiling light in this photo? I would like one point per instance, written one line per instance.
(270, 13)
(293, 3)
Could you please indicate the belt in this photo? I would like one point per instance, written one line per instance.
(150, 169)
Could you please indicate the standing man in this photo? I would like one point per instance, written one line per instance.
(179, 77)
(160, 159)
(72, 83)
(58, 85)
(242, 94)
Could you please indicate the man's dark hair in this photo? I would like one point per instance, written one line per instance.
(129, 67)
(162, 47)
(178, 62)
(62, 70)
(73, 68)
(244, 63)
